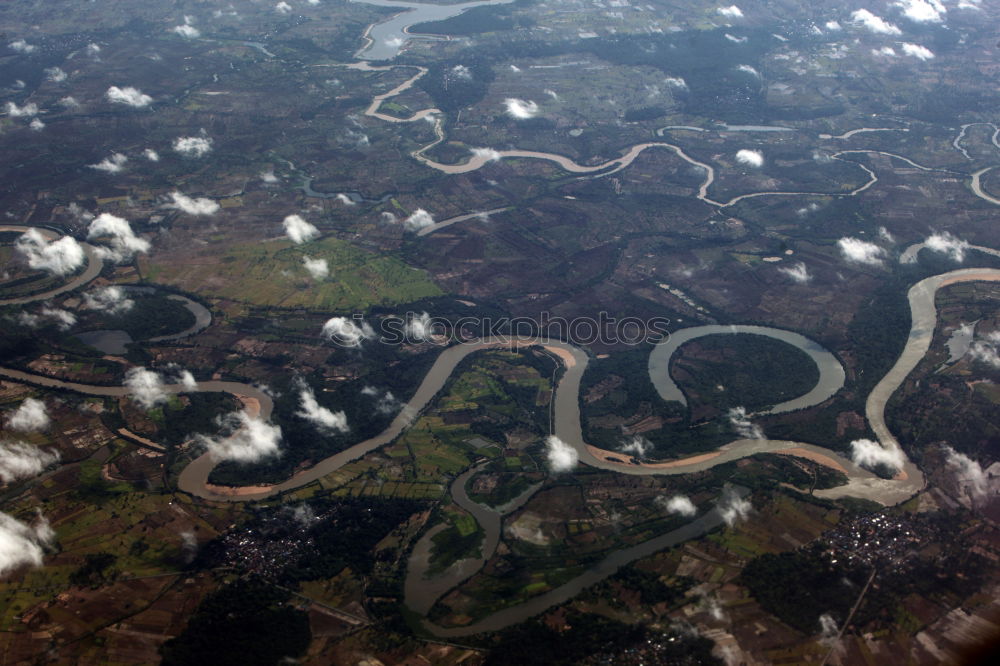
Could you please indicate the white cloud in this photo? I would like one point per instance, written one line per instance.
(488, 153)
(283, 7)
(419, 327)
(874, 23)
(113, 164)
(20, 460)
(186, 31)
(21, 46)
(312, 411)
(346, 200)
(732, 11)
(108, 299)
(987, 349)
(520, 109)
(917, 51)
(886, 51)
(799, 273)
(676, 82)
(30, 416)
(679, 504)
(858, 251)
(637, 447)
(828, 629)
(129, 96)
(186, 204)
(117, 230)
(151, 155)
(945, 243)
(63, 318)
(55, 74)
(61, 257)
(319, 269)
(69, 102)
(461, 72)
(192, 146)
(743, 426)
(20, 544)
(871, 454)
(36, 125)
(344, 332)
(970, 473)
(922, 11)
(751, 158)
(28, 110)
(269, 177)
(298, 230)
(732, 507)
(146, 387)
(418, 220)
(747, 69)
(93, 49)
(561, 456)
(832, 25)
(386, 403)
(244, 439)
(515, 68)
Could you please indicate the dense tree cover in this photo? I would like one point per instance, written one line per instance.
(178, 421)
(594, 639)
(94, 570)
(454, 85)
(878, 333)
(245, 623)
(476, 21)
(800, 586)
(152, 315)
(651, 589)
(645, 113)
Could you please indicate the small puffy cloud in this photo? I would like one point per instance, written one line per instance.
(22, 545)
(676, 82)
(346, 200)
(30, 416)
(269, 177)
(36, 125)
(283, 7)
(61, 257)
(322, 417)
(922, 11)
(345, 333)
(735, 39)
(917, 51)
(461, 72)
(93, 49)
(636, 447)
(186, 204)
(866, 453)
(419, 327)
(489, 154)
(520, 109)
(146, 387)
(27, 111)
(732, 11)
(69, 102)
(987, 350)
(192, 146)
(21, 46)
(798, 272)
(747, 69)
(418, 220)
(742, 424)
(832, 26)
(385, 403)
(55, 74)
(112, 300)
(750, 158)
(732, 507)
(561, 456)
(187, 31)
(298, 230)
(20, 460)
(151, 155)
(858, 251)
(243, 439)
(970, 473)
(679, 504)
(874, 23)
(113, 164)
(128, 96)
(124, 244)
(319, 269)
(945, 243)
(886, 51)
(62, 318)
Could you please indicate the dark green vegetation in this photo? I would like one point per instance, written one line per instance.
(592, 639)
(246, 622)
(153, 315)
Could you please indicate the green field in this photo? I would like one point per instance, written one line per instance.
(272, 274)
